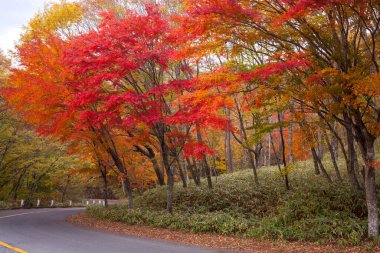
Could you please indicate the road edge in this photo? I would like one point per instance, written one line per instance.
(213, 241)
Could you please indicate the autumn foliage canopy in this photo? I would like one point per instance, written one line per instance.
(171, 83)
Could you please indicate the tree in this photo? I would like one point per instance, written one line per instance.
(337, 38)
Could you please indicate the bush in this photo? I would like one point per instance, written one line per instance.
(4, 205)
(313, 210)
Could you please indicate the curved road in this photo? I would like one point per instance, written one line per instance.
(45, 231)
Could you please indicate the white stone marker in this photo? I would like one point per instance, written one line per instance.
(70, 203)
(87, 202)
(38, 202)
(22, 203)
(52, 203)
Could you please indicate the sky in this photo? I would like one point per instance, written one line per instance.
(13, 15)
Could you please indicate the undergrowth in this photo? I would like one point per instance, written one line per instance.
(313, 210)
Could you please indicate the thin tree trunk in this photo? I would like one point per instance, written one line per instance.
(193, 173)
(291, 151)
(181, 174)
(333, 158)
(315, 162)
(149, 152)
(245, 143)
(228, 145)
(168, 170)
(257, 152)
(320, 150)
(103, 171)
(64, 190)
(157, 170)
(208, 173)
(335, 144)
(282, 140)
(277, 160)
(204, 161)
(321, 166)
(351, 156)
(269, 152)
(111, 149)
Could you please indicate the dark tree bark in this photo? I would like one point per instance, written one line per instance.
(366, 143)
(157, 170)
(277, 161)
(257, 152)
(64, 190)
(192, 168)
(228, 145)
(320, 164)
(151, 155)
(105, 139)
(333, 158)
(128, 189)
(282, 141)
(244, 143)
(351, 155)
(181, 174)
(103, 171)
(204, 161)
(291, 151)
(370, 190)
(315, 162)
(170, 177)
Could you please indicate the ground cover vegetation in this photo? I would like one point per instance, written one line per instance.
(313, 211)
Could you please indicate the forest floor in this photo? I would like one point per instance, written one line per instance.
(218, 241)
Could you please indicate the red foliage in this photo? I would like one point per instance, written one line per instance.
(197, 150)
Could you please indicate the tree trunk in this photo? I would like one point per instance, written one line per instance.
(269, 152)
(64, 190)
(252, 162)
(320, 150)
(157, 170)
(204, 161)
(315, 162)
(370, 190)
(351, 157)
(333, 158)
(181, 174)
(320, 164)
(208, 173)
(335, 144)
(245, 143)
(366, 143)
(128, 189)
(228, 145)
(277, 160)
(282, 140)
(193, 173)
(257, 152)
(169, 174)
(105, 187)
(149, 152)
(291, 151)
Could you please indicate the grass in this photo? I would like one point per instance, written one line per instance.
(313, 210)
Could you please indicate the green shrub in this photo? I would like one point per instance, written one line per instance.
(4, 205)
(313, 210)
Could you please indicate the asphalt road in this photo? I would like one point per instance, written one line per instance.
(45, 231)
